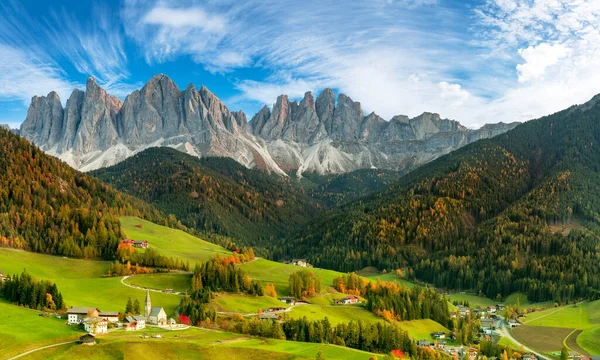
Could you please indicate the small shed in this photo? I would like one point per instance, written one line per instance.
(87, 339)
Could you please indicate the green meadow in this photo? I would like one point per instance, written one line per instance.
(244, 303)
(81, 282)
(197, 344)
(171, 242)
(584, 316)
(335, 313)
(422, 329)
(177, 282)
(22, 329)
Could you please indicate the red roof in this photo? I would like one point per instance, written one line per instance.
(398, 353)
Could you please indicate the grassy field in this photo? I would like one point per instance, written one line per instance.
(585, 316)
(177, 282)
(22, 329)
(336, 313)
(279, 273)
(422, 329)
(542, 338)
(80, 281)
(474, 300)
(171, 242)
(178, 244)
(197, 344)
(244, 303)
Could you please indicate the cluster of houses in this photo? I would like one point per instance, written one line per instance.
(442, 345)
(97, 322)
(143, 244)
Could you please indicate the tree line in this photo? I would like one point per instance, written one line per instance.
(27, 291)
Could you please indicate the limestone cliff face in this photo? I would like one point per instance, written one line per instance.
(95, 129)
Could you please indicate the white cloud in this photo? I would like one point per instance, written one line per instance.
(538, 58)
(194, 17)
(34, 50)
(22, 76)
(454, 93)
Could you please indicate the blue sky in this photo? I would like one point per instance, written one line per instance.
(475, 61)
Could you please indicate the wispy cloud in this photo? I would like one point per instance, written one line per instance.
(366, 49)
(35, 52)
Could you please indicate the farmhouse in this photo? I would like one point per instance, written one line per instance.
(87, 339)
(500, 307)
(76, 315)
(135, 322)
(288, 300)
(529, 356)
(351, 299)
(472, 354)
(140, 244)
(512, 323)
(487, 326)
(300, 262)
(423, 343)
(128, 242)
(270, 316)
(491, 309)
(95, 325)
(438, 335)
(110, 316)
(2, 277)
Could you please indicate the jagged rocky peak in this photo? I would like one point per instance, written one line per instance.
(43, 124)
(325, 105)
(318, 134)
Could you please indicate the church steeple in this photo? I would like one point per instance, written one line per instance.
(148, 303)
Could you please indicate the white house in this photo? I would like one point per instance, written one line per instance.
(137, 322)
(95, 325)
(75, 315)
(110, 316)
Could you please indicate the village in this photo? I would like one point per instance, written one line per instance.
(96, 322)
(492, 325)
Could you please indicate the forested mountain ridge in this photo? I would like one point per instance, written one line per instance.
(483, 217)
(46, 206)
(215, 195)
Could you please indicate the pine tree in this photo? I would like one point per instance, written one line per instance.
(136, 307)
(129, 307)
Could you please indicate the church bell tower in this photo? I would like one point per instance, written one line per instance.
(148, 303)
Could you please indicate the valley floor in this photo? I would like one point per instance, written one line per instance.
(82, 284)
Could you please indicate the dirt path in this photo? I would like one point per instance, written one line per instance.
(42, 348)
(571, 342)
(144, 288)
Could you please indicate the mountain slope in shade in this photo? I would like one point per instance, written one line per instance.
(96, 130)
(519, 212)
(214, 194)
(46, 206)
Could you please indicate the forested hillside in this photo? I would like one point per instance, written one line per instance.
(519, 212)
(46, 206)
(335, 190)
(214, 194)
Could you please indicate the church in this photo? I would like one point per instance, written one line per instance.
(155, 315)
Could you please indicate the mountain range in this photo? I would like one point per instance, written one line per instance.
(95, 130)
(516, 213)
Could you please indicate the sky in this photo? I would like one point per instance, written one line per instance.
(478, 62)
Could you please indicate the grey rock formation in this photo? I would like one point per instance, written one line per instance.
(96, 129)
